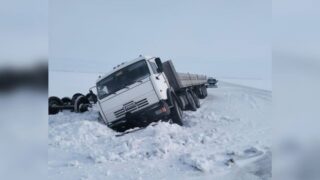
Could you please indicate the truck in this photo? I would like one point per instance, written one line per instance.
(146, 90)
(212, 82)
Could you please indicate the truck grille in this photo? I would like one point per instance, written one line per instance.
(142, 103)
(131, 106)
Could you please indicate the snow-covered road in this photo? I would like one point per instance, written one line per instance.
(229, 137)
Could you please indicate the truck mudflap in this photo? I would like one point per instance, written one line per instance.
(142, 117)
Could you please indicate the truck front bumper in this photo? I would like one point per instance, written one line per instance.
(141, 117)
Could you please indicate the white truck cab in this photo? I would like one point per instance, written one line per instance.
(138, 92)
(129, 88)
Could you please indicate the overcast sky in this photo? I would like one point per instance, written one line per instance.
(225, 38)
(222, 38)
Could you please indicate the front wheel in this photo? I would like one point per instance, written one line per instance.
(176, 113)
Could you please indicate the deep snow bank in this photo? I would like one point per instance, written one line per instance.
(228, 137)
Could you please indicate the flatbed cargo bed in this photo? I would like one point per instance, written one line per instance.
(182, 80)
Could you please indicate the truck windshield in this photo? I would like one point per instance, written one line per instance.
(122, 78)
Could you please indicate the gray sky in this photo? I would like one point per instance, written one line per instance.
(223, 38)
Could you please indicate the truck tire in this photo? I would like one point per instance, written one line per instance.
(191, 103)
(66, 101)
(195, 99)
(205, 92)
(201, 93)
(74, 97)
(54, 101)
(92, 97)
(176, 113)
(81, 103)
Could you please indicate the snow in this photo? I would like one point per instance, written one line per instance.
(229, 137)
(265, 84)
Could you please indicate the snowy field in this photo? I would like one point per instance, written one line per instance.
(255, 83)
(229, 137)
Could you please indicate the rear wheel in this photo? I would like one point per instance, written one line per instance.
(176, 113)
(191, 103)
(54, 101)
(81, 104)
(205, 92)
(200, 93)
(92, 97)
(74, 97)
(66, 101)
(196, 99)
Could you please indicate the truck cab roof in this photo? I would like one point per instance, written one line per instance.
(124, 64)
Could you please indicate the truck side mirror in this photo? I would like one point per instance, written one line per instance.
(159, 64)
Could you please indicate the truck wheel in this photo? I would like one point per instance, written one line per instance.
(92, 97)
(191, 103)
(205, 92)
(74, 97)
(195, 99)
(176, 113)
(66, 101)
(54, 101)
(81, 104)
(198, 91)
(201, 93)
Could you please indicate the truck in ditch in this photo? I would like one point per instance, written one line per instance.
(146, 90)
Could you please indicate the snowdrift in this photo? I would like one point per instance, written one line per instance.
(229, 137)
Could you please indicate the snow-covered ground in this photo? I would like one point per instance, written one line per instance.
(229, 137)
(250, 82)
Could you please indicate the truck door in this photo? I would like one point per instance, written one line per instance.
(159, 81)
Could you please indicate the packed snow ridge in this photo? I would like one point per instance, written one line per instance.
(229, 137)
